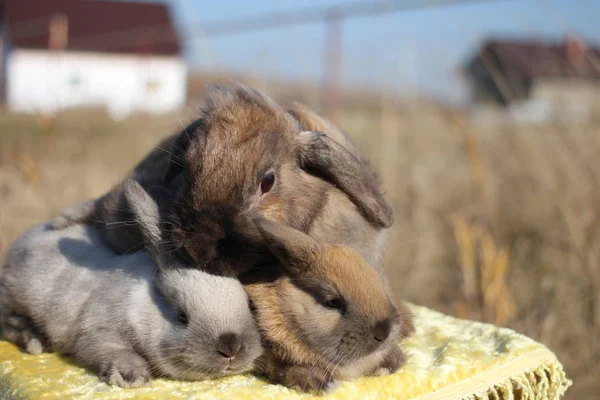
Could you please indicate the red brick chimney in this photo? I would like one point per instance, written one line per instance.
(58, 32)
(575, 51)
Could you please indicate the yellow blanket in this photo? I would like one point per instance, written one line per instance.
(448, 358)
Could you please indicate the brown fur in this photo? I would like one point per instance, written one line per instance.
(309, 345)
(211, 175)
(357, 282)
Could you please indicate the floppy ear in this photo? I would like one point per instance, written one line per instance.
(146, 214)
(294, 249)
(180, 146)
(319, 153)
(311, 121)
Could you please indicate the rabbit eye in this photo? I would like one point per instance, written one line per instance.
(267, 183)
(336, 304)
(182, 318)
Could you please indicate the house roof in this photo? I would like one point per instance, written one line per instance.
(571, 58)
(97, 26)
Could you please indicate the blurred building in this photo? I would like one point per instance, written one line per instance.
(537, 80)
(57, 54)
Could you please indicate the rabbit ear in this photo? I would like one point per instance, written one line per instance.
(311, 121)
(179, 148)
(351, 175)
(294, 249)
(146, 214)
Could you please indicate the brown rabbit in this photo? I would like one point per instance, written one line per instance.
(244, 157)
(324, 313)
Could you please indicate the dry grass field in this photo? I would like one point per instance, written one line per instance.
(496, 223)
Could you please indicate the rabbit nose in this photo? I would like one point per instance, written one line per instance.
(382, 330)
(229, 345)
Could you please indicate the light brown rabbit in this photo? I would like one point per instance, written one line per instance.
(323, 312)
(244, 157)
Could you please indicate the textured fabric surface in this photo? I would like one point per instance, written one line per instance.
(448, 358)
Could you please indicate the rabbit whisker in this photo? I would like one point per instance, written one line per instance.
(175, 159)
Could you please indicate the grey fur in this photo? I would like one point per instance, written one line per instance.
(107, 311)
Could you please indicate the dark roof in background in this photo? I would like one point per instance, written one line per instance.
(97, 26)
(539, 59)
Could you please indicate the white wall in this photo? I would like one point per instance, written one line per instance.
(560, 99)
(40, 81)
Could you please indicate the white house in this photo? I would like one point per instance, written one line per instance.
(58, 54)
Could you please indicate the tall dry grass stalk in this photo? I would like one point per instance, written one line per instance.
(484, 267)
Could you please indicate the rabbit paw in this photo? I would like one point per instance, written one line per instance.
(21, 331)
(34, 346)
(127, 370)
(308, 378)
(391, 362)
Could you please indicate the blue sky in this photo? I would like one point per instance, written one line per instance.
(405, 51)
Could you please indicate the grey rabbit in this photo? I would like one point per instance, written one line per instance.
(64, 290)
